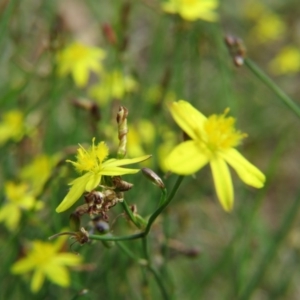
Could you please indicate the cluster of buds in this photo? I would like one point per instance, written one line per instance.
(236, 48)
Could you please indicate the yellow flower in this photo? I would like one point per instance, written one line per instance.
(192, 10)
(268, 25)
(93, 162)
(287, 61)
(12, 126)
(78, 60)
(18, 199)
(113, 85)
(45, 260)
(38, 171)
(212, 141)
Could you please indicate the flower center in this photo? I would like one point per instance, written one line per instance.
(221, 133)
(91, 160)
(78, 52)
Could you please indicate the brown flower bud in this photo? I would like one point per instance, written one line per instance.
(153, 177)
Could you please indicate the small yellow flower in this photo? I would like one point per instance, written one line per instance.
(113, 85)
(212, 141)
(18, 198)
(268, 25)
(45, 260)
(286, 61)
(12, 126)
(192, 10)
(93, 162)
(78, 60)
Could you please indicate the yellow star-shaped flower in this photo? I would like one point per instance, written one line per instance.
(191, 10)
(93, 162)
(78, 60)
(212, 141)
(46, 260)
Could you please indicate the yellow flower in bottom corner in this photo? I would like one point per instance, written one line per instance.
(45, 260)
(191, 10)
(212, 141)
(93, 162)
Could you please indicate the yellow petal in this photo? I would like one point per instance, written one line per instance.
(186, 159)
(80, 74)
(188, 118)
(58, 275)
(67, 259)
(24, 265)
(93, 182)
(223, 183)
(115, 171)
(126, 161)
(37, 280)
(246, 171)
(77, 189)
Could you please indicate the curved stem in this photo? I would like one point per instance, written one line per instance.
(130, 213)
(159, 282)
(125, 249)
(165, 202)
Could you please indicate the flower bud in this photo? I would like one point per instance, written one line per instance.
(153, 177)
(109, 33)
(122, 131)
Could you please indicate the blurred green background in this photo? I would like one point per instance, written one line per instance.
(251, 253)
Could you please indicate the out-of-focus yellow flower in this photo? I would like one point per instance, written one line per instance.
(140, 137)
(12, 126)
(46, 261)
(78, 60)
(93, 162)
(113, 85)
(18, 198)
(191, 10)
(286, 61)
(38, 171)
(268, 25)
(213, 140)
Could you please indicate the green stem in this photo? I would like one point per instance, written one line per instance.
(271, 250)
(159, 282)
(125, 249)
(164, 202)
(151, 219)
(130, 213)
(272, 85)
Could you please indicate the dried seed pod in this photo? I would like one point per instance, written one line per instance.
(121, 185)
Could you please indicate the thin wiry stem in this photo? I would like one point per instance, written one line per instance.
(272, 85)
